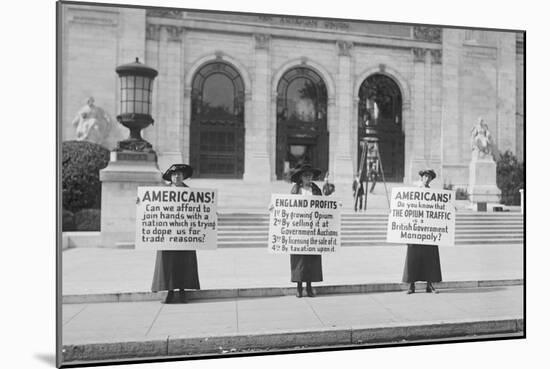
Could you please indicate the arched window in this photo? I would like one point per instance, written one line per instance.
(380, 102)
(302, 97)
(218, 93)
(217, 122)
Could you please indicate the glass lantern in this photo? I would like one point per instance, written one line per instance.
(136, 83)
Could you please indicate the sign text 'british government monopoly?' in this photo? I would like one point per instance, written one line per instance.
(422, 216)
(304, 225)
(176, 218)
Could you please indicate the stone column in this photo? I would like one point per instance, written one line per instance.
(451, 115)
(170, 89)
(435, 111)
(340, 145)
(419, 128)
(506, 82)
(257, 163)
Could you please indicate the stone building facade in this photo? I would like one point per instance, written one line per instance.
(249, 96)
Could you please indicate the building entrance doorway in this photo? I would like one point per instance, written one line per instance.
(302, 135)
(217, 122)
(380, 108)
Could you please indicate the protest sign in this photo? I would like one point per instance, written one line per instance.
(422, 216)
(176, 218)
(304, 225)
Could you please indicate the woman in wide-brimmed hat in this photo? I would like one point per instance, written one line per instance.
(305, 268)
(422, 261)
(178, 269)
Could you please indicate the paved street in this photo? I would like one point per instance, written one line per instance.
(114, 330)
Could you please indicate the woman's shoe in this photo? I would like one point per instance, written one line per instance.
(299, 290)
(309, 291)
(411, 289)
(169, 297)
(430, 288)
(182, 297)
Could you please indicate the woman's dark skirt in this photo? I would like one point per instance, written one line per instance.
(306, 268)
(175, 270)
(422, 264)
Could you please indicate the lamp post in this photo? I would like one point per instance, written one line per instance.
(136, 85)
(133, 162)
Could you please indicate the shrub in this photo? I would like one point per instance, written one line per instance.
(68, 221)
(510, 178)
(81, 162)
(88, 220)
(460, 192)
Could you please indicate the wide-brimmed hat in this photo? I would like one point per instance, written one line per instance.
(187, 171)
(429, 172)
(298, 171)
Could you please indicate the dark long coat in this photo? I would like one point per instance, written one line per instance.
(422, 264)
(306, 268)
(176, 270)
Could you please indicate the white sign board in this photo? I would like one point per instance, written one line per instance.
(422, 216)
(304, 225)
(176, 218)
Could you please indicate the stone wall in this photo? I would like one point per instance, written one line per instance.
(94, 41)
(446, 82)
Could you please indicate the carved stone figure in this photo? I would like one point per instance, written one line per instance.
(92, 123)
(482, 141)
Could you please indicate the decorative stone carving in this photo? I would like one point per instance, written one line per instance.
(304, 60)
(431, 34)
(382, 67)
(134, 146)
(436, 56)
(219, 54)
(174, 33)
(419, 55)
(165, 13)
(92, 123)
(153, 32)
(344, 48)
(261, 41)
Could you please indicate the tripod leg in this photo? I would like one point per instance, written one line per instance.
(382, 172)
(360, 170)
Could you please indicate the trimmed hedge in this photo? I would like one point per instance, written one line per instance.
(88, 220)
(81, 188)
(68, 221)
(510, 178)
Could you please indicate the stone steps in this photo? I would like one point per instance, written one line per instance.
(251, 230)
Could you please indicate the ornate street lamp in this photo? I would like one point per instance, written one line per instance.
(136, 84)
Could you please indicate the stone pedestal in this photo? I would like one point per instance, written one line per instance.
(482, 186)
(119, 183)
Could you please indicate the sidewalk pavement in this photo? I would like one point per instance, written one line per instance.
(102, 331)
(93, 271)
